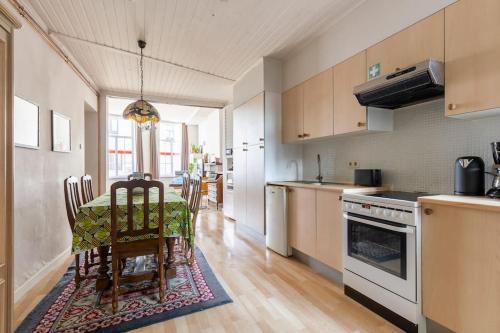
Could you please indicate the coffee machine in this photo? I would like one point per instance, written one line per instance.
(494, 191)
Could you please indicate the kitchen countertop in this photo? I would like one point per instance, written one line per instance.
(483, 203)
(344, 188)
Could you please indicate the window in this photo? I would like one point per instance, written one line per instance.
(121, 143)
(170, 135)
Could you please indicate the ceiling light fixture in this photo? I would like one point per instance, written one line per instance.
(141, 111)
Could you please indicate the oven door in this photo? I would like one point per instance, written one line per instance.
(382, 252)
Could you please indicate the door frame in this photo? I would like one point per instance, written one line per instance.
(8, 23)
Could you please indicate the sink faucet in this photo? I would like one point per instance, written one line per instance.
(319, 177)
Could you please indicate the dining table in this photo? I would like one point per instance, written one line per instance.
(92, 227)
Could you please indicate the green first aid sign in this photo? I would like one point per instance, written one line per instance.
(373, 71)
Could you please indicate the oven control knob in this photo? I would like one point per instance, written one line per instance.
(387, 212)
(394, 214)
(402, 215)
(378, 211)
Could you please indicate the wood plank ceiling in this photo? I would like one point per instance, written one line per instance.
(195, 48)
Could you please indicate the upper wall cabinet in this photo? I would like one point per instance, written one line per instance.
(307, 109)
(292, 116)
(421, 41)
(318, 106)
(348, 115)
(472, 67)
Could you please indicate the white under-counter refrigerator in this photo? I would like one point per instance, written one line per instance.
(276, 220)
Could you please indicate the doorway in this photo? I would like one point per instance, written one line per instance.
(92, 145)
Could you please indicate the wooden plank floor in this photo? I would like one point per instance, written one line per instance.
(270, 293)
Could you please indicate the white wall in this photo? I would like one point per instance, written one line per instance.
(365, 26)
(41, 229)
(209, 134)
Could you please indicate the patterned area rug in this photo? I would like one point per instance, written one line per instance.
(67, 309)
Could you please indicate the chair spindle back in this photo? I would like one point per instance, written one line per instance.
(87, 190)
(186, 184)
(116, 231)
(72, 199)
(194, 202)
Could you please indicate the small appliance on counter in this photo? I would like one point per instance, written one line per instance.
(368, 177)
(469, 176)
(494, 191)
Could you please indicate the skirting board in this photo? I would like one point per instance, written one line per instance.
(40, 275)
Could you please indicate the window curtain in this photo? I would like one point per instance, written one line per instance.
(153, 152)
(185, 148)
(139, 153)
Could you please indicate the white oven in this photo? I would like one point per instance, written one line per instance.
(381, 251)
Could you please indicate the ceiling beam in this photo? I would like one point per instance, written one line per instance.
(135, 54)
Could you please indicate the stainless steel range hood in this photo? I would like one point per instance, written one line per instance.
(408, 86)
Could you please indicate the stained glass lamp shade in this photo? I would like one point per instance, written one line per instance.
(143, 113)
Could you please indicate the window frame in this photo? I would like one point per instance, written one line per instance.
(116, 138)
(159, 141)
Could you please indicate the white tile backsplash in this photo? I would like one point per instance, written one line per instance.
(419, 155)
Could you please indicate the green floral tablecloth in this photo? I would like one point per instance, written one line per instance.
(93, 220)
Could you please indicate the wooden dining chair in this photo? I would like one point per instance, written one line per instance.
(122, 232)
(73, 202)
(194, 207)
(186, 185)
(147, 176)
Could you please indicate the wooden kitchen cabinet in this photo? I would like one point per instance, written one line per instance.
(421, 41)
(461, 267)
(348, 115)
(472, 46)
(292, 120)
(318, 106)
(302, 220)
(329, 228)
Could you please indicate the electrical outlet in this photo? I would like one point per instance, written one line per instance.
(353, 164)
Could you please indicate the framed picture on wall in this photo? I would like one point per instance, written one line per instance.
(26, 124)
(61, 133)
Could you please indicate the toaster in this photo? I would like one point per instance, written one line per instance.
(368, 177)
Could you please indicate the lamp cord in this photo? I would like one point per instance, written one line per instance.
(142, 76)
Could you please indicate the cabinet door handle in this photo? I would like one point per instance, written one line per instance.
(305, 135)
(245, 143)
(398, 69)
(261, 147)
(361, 124)
(245, 149)
(428, 211)
(452, 106)
(300, 136)
(340, 198)
(261, 139)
